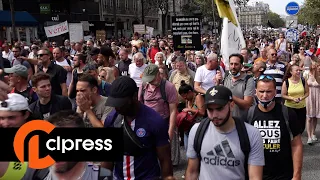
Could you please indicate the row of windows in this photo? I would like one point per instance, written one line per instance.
(109, 3)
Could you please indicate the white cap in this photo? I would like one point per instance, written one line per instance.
(15, 102)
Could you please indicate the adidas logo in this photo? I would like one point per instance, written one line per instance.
(222, 155)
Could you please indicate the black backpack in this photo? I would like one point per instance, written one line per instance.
(162, 91)
(243, 138)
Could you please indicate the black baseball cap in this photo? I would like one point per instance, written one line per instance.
(122, 89)
(218, 95)
(94, 51)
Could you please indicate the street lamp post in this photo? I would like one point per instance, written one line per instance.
(13, 24)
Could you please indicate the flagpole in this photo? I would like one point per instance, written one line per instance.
(214, 21)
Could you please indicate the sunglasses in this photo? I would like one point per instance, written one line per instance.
(54, 44)
(101, 76)
(40, 55)
(266, 77)
(275, 54)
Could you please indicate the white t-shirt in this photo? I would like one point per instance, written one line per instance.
(7, 55)
(206, 77)
(69, 75)
(136, 72)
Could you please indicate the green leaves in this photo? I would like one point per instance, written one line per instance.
(275, 20)
(309, 12)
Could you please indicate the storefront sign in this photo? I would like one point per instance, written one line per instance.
(101, 35)
(45, 9)
(56, 30)
(186, 33)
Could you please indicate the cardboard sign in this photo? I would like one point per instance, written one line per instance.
(56, 30)
(101, 35)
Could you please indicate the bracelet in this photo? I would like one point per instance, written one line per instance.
(16, 170)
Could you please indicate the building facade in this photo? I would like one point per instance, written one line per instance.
(255, 15)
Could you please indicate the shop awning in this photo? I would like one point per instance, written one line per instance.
(22, 18)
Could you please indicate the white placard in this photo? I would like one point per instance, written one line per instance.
(56, 30)
(150, 30)
(75, 32)
(139, 28)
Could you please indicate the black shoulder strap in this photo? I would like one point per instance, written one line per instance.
(287, 83)
(250, 114)
(285, 113)
(200, 135)
(40, 174)
(244, 142)
(246, 80)
(226, 74)
(163, 90)
(69, 62)
(303, 81)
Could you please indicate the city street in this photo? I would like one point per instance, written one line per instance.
(311, 159)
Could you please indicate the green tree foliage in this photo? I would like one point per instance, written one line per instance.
(275, 20)
(309, 13)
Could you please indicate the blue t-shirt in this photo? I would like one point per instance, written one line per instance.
(152, 131)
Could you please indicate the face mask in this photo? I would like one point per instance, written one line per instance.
(236, 75)
(266, 104)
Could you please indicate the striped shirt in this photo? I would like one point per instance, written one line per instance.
(277, 71)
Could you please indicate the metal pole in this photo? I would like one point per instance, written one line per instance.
(13, 24)
(142, 11)
(115, 19)
(214, 21)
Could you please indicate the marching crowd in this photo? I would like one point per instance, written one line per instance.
(240, 118)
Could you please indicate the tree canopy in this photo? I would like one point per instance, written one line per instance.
(309, 13)
(275, 19)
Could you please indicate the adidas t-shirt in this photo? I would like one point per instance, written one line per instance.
(222, 157)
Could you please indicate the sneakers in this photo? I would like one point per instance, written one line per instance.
(314, 138)
(310, 142)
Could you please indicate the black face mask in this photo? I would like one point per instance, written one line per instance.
(225, 119)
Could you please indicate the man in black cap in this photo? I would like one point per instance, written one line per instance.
(213, 147)
(150, 133)
(94, 54)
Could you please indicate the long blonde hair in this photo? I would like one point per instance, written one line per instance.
(110, 74)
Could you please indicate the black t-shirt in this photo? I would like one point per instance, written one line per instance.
(255, 51)
(276, 141)
(29, 94)
(45, 110)
(123, 67)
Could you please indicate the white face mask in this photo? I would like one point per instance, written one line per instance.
(236, 75)
(266, 104)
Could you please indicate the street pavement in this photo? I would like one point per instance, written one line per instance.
(311, 160)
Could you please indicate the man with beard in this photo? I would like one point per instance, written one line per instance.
(79, 61)
(106, 54)
(151, 158)
(240, 84)
(219, 156)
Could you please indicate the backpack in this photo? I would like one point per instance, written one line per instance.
(284, 111)
(243, 138)
(162, 91)
(41, 174)
(30, 94)
(302, 79)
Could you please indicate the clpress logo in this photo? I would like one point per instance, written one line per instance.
(63, 144)
(33, 145)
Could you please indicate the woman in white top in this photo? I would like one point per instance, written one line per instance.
(137, 67)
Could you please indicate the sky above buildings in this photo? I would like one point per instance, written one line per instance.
(277, 6)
